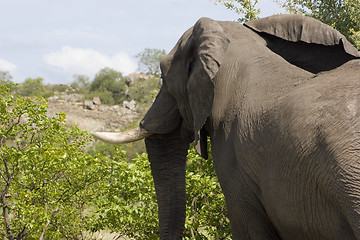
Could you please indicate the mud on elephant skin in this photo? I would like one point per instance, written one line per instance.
(285, 138)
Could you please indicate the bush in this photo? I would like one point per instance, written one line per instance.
(141, 90)
(47, 181)
(128, 202)
(109, 85)
(206, 214)
(50, 187)
(34, 87)
(104, 95)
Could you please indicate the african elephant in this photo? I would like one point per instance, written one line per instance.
(279, 98)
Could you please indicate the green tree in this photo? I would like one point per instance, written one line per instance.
(143, 91)
(46, 179)
(109, 86)
(343, 15)
(246, 8)
(34, 87)
(149, 60)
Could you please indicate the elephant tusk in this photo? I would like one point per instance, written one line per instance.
(129, 136)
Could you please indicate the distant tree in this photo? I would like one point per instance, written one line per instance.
(109, 85)
(149, 60)
(34, 87)
(246, 8)
(5, 77)
(81, 82)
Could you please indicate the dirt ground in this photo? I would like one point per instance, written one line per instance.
(99, 118)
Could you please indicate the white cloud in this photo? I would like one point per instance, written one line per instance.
(88, 61)
(6, 66)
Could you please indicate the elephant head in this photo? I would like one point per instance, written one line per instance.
(182, 107)
(180, 110)
(176, 117)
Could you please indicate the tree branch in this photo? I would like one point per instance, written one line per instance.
(22, 235)
(47, 224)
(22, 184)
(6, 217)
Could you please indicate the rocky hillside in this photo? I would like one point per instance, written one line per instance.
(92, 115)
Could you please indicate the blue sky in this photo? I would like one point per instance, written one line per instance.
(56, 39)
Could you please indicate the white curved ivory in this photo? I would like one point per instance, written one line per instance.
(129, 136)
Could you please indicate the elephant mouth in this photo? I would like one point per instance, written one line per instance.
(129, 136)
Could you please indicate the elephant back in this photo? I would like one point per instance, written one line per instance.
(305, 41)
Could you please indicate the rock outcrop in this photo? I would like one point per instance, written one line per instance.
(92, 115)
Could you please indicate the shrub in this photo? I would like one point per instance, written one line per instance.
(128, 202)
(34, 87)
(109, 83)
(46, 179)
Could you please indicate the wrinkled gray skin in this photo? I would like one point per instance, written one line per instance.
(285, 142)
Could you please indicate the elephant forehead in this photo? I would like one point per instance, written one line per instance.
(165, 65)
(178, 51)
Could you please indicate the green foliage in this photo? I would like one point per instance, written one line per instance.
(355, 38)
(34, 87)
(143, 91)
(247, 8)
(109, 86)
(102, 148)
(149, 60)
(128, 202)
(206, 214)
(63, 88)
(105, 96)
(46, 180)
(50, 188)
(343, 15)
(134, 149)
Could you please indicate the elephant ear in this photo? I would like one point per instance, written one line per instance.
(210, 44)
(297, 28)
(307, 42)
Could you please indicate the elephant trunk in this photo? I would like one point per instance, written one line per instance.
(167, 155)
